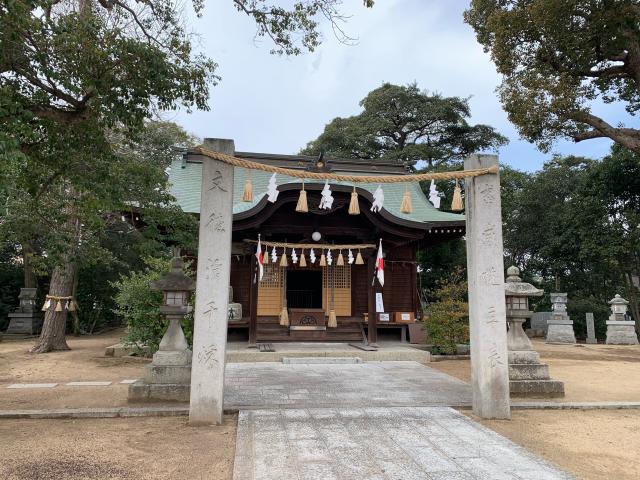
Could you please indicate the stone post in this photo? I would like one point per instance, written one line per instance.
(212, 293)
(591, 329)
(485, 267)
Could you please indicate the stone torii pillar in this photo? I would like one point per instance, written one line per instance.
(212, 287)
(487, 309)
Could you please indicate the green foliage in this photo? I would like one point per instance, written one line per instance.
(576, 224)
(447, 318)
(139, 306)
(406, 124)
(557, 59)
(10, 283)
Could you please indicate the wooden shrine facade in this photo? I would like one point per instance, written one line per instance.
(308, 292)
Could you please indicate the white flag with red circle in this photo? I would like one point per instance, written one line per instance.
(380, 265)
(259, 257)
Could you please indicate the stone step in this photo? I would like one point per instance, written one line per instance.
(536, 388)
(529, 371)
(524, 356)
(322, 360)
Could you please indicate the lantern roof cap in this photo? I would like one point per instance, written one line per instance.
(515, 286)
(176, 279)
(618, 300)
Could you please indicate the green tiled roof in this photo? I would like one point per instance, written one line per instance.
(185, 180)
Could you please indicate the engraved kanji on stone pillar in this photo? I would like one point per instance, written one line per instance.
(212, 296)
(487, 310)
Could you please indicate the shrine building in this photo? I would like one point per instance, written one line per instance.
(308, 291)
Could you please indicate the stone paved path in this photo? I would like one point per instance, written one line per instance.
(399, 443)
(264, 385)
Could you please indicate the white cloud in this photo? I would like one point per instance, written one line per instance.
(277, 104)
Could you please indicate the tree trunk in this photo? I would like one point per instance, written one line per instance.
(74, 314)
(633, 300)
(55, 323)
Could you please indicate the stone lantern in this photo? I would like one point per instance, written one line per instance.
(26, 320)
(620, 331)
(168, 377)
(559, 326)
(527, 376)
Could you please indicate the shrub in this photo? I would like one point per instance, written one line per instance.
(139, 305)
(447, 318)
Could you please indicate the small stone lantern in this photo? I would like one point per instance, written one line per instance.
(527, 376)
(169, 375)
(559, 326)
(620, 331)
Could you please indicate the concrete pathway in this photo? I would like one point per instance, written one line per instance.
(274, 385)
(399, 443)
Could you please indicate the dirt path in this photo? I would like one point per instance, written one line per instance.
(591, 373)
(594, 445)
(122, 449)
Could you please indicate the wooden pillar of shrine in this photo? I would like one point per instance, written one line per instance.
(372, 289)
(253, 302)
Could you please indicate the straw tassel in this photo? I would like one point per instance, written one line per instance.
(265, 256)
(303, 260)
(71, 306)
(332, 322)
(59, 306)
(284, 314)
(405, 207)
(302, 205)
(46, 305)
(323, 260)
(247, 194)
(354, 206)
(283, 259)
(340, 261)
(457, 204)
(359, 260)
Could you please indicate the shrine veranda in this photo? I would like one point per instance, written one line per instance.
(230, 226)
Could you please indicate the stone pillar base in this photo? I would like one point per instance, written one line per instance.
(621, 333)
(24, 323)
(530, 378)
(167, 378)
(150, 392)
(560, 331)
(592, 341)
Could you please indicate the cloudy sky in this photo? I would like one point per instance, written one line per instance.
(277, 104)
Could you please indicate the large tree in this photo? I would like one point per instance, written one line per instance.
(576, 224)
(406, 124)
(558, 59)
(75, 73)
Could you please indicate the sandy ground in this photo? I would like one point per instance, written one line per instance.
(591, 373)
(109, 449)
(593, 445)
(84, 362)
